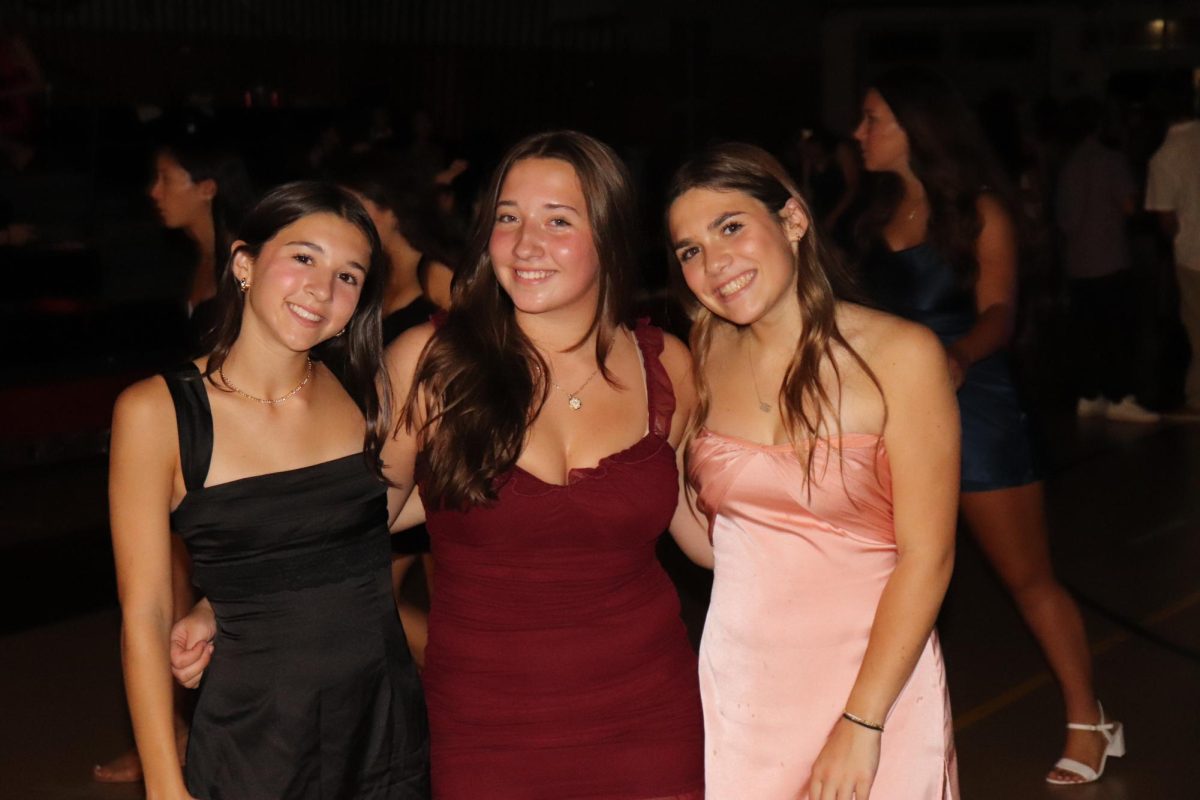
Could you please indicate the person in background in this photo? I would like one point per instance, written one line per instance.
(423, 254)
(940, 247)
(201, 188)
(832, 177)
(1096, 196)
(1173, 193)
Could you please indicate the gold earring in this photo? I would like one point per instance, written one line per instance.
(243, 284)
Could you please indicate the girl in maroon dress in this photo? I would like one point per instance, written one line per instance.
(540, 428)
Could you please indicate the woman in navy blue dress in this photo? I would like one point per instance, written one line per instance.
(940, 248)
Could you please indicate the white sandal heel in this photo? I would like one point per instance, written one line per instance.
(1114, 735)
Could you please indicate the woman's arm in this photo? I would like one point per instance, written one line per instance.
(192, 644)
(922, 440)
(995, 290)
(688, 527)
(411, 515)
(142, 468)
(400, 449)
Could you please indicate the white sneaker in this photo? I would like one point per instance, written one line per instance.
(1087, 407)
(1128, 410)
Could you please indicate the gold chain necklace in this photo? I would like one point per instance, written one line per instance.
(763, 405)
(265, 400)
(573, 397)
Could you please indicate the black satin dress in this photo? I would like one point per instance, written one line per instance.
(311, 693)
(917, 283)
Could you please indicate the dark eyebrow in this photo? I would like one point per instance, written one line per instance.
(319, 249)
(721, 219)
(551, 206)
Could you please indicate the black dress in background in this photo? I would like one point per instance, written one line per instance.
(311, 693)
(416, 539)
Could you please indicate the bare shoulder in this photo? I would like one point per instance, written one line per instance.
(677, 359)
(895, 349)
(144, 417)
(993, 213)
(146, 402)
(405, 351)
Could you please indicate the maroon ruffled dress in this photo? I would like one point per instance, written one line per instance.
(557, 665)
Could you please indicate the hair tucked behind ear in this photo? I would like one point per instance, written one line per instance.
(480, 380)
(358, 350)
(809, 412)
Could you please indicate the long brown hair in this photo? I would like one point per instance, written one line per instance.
(806, 406)
(949, 156)
(481, 380)
(359, 349)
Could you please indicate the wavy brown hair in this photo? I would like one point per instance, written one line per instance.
(480, 382)
(809, 412)
(358, 350)
(949, 156)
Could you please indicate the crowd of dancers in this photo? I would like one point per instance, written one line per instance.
(814, 443)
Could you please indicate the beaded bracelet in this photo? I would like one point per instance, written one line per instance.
(846, 715)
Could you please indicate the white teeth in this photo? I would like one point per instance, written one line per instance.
(735, 284)
(304, 313)
(532, 275)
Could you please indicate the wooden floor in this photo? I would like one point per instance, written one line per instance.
(1125, 513)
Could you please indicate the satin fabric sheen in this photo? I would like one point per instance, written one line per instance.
(797, 581)
(557, 665)
(917, 283)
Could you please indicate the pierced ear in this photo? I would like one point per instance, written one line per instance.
(243, 263)
(795, 221)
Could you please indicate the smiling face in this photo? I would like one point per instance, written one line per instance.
(181, 202)
(884, 143)
(541, 247)
(737, 257)
(306, 281)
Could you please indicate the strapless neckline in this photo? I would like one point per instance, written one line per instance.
(850, 440)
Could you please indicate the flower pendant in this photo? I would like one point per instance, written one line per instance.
(574, 402)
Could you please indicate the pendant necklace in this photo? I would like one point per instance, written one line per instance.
(763, 405)
(573, 397)
(266, 400)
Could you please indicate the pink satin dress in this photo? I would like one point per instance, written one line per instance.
(797, 581)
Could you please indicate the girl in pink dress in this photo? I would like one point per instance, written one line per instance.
(825, 457)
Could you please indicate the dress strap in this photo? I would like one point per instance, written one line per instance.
(193, 418)
(660, 394)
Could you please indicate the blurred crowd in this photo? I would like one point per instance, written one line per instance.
(118, 220)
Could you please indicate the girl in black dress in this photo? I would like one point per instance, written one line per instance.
(262, 461)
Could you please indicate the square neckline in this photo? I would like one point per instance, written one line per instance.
(206, 409)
